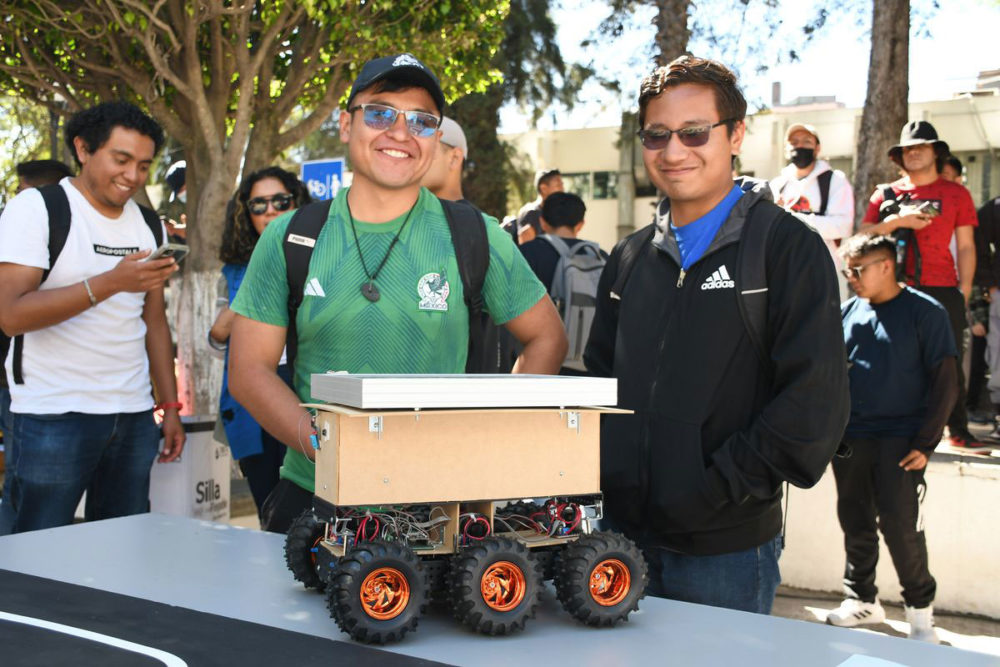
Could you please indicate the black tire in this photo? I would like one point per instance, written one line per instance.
(391, 575)
(507, 568)
(302, 539)
(606, 597)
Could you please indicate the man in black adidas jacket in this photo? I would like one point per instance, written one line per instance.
(695, 474)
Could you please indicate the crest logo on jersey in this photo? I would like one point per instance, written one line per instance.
(433, 290)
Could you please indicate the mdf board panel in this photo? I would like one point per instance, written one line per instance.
(327, 479)
(460, 456)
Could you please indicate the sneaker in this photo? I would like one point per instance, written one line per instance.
(922, 624)
(965, 440)
(852, 612)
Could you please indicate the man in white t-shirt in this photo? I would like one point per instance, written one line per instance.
(811, 190)
(90, 332)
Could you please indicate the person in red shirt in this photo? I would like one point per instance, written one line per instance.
(936, 210)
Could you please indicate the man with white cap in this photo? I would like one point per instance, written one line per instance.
(444, 178)
(813, 191)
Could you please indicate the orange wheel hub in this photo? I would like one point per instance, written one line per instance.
(384, 593)
(503, 586)
(312, 552)
(610, 582)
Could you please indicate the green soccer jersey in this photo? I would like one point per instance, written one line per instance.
(418, 325)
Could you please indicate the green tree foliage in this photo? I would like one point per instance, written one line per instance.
(223, 77)
(534, 76)
(24, 126)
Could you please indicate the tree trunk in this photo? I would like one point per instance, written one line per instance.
(261, 149)
(626, 174)
(886, 107)
(199, 374)
(672, 29)
(484, 181)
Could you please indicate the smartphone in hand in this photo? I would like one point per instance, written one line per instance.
(175, 250)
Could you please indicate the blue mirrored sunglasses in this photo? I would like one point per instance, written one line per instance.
(381, 117)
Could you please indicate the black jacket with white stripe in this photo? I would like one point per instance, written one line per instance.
(698, 467)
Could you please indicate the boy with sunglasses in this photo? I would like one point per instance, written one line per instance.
(384, 293)
(694, 475)
(903, 377)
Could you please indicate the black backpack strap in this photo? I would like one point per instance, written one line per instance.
(57, 207)
(300, 241)
(823, 180)
(751, 268)
(629, 254)
(154, 223)
(472, 252)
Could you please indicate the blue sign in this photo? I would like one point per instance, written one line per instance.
(323, 177)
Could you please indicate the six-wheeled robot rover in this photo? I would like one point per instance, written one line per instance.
(470, 507)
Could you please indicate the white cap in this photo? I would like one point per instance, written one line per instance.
(805, 127)
(452, 135)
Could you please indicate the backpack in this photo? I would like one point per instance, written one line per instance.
(488, 344)
(751, 271)
(57, 206)
(823, 181)
(574, 291)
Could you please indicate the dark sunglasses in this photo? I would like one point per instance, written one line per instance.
(692, 137)
(281, 202)
(381, 117)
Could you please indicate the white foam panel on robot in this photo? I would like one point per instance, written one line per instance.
(374, 392)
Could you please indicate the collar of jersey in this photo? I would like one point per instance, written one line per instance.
(389, 227)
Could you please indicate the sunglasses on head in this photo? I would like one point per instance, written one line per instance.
(692, 137)
(381, 117)
(281, 202)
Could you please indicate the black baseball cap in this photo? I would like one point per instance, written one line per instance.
(401, 67)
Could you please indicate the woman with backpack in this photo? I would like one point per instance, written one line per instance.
(262, 196)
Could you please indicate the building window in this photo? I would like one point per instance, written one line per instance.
(605, 185)
(578, 184)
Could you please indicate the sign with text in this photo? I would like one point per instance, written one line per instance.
(323, 177)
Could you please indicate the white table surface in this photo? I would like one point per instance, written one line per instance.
(240, 573)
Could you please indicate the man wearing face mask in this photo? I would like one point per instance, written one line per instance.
(811, 190)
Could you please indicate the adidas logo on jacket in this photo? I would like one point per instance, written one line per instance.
(719, 280)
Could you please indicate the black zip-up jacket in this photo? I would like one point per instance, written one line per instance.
(698, 467)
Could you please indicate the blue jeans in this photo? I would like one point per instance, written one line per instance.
(742, 580)
(53, 459)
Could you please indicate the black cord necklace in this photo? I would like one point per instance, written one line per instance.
(368, 288)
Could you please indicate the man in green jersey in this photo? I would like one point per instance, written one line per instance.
(383, 293)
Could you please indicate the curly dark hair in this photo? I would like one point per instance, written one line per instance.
(239, 236)
(729, 100)
(94, 125)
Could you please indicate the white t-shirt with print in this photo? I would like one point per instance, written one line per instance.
(95, 362)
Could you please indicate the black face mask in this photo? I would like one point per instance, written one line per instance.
(802, 157)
